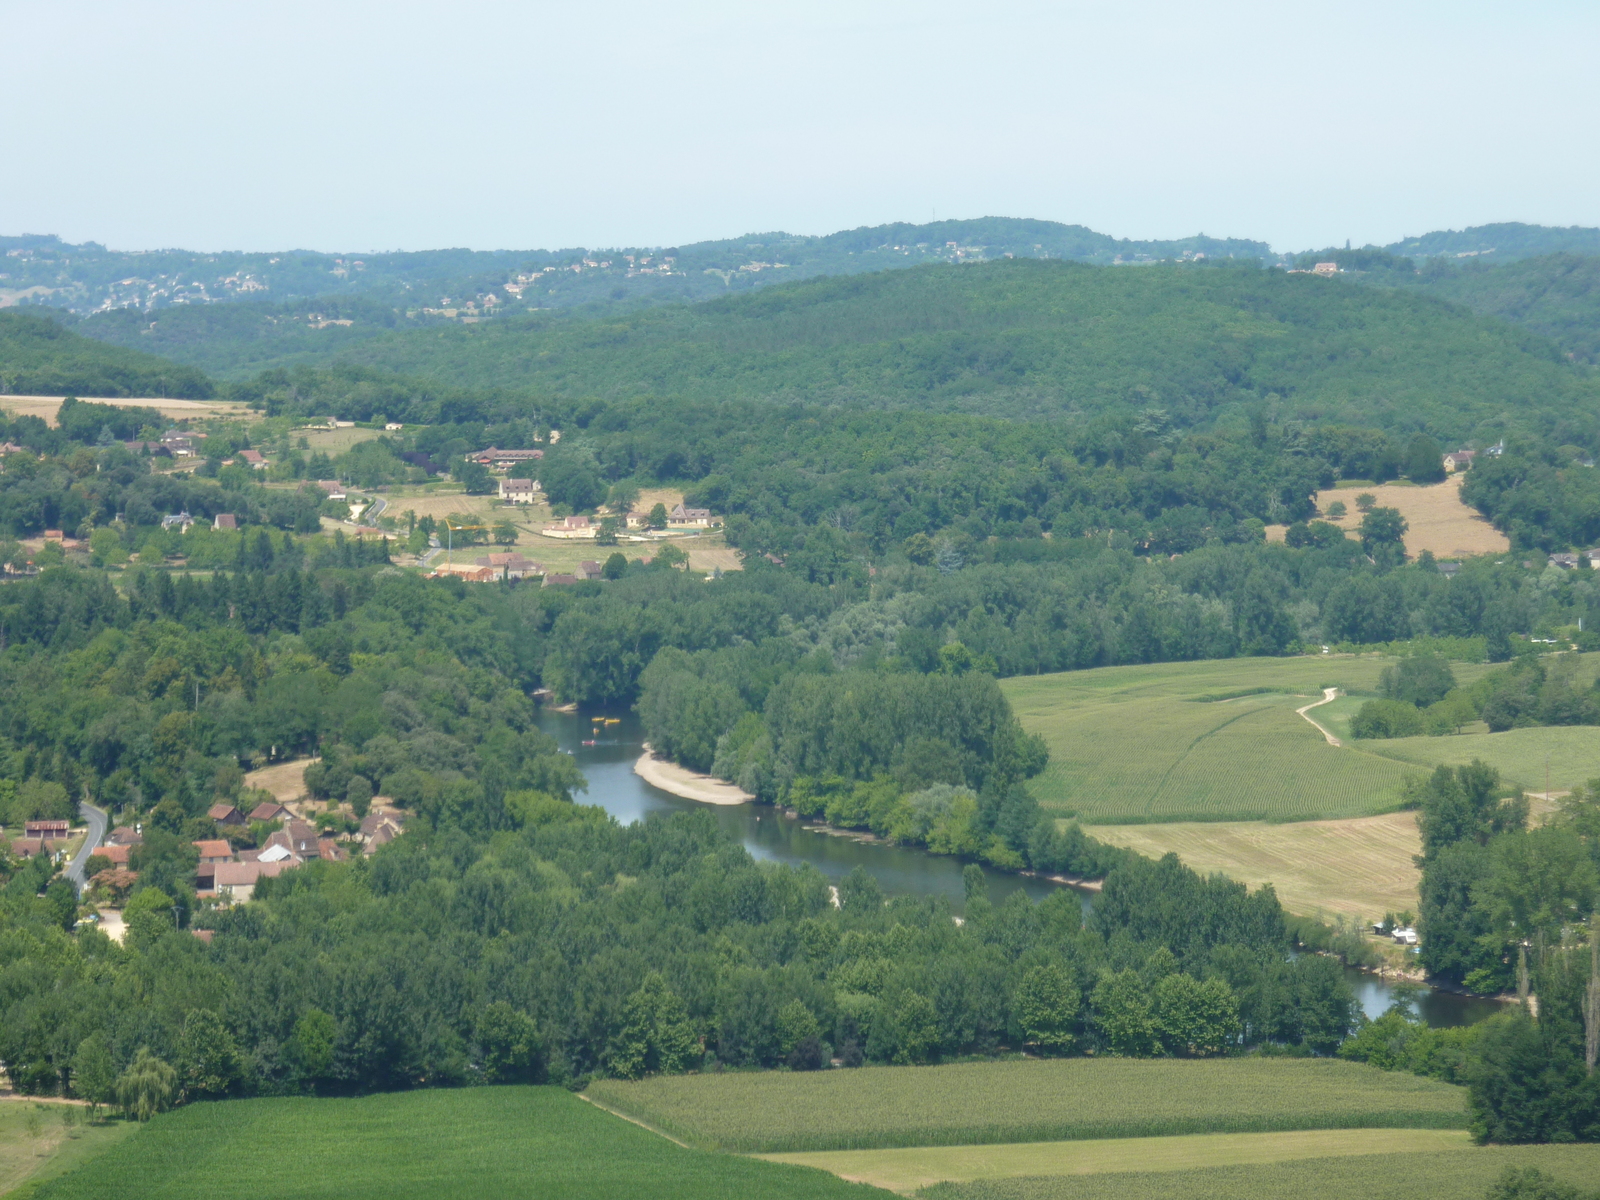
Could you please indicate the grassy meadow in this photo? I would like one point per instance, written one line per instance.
(44, 1146)
(1029, 1101)
(908, 1169)
(1464, 1173)
(502, 1143)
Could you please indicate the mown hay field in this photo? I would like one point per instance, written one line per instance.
(908, 1169)
(1361, 867)
(1460, 1174)
(508, 1143)
(1029, 1101)
(43, 1147)
(1520, 755)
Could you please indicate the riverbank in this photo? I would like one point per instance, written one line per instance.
(690, 785)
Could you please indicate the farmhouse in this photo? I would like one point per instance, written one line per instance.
(1459, 460)
(571, 527)
(689, 518)
(224, 521)
(519, 491)
(510, 565)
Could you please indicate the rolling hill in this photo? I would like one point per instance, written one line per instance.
(39, 357)
(1201, 345)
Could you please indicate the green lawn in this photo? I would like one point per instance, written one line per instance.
(1219, 753)
(1460, 1174)
(1029, 1101)
(497, 1143)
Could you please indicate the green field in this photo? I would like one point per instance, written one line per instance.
(1227, 751)
(1246, 759)
(1029, 1101)
(1463, 1174)
(473, 1144)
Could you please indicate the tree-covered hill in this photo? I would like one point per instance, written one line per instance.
(1557, 295)
(1194, 346)
(1501, 242)
(38, 357)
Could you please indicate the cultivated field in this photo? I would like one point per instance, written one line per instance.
(470, 1144)
(1148, 743)
(906, 1170)
(46, 406)
(1572, 752)
(1459, 1174)
(1029, 1101)
(1361, 867)
(333, 441)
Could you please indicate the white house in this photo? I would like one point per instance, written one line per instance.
(519, 491)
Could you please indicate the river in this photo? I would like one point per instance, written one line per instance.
(900, 870)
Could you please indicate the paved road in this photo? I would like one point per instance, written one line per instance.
(97, 821)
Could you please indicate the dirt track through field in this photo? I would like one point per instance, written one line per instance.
(1328, 697)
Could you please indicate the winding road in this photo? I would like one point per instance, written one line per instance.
(1329, 695)
(97, 821)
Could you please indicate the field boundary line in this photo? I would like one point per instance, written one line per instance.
(1329, 695)
(1155, 792)
(634, 1120)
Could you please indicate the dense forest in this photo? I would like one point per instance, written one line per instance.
(39, 357)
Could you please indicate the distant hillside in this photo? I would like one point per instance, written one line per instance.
(1557, 295)
(456, 284)
(1500, 243)
(39, 357)
(1189, 345)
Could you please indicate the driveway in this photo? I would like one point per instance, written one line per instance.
(97, 822)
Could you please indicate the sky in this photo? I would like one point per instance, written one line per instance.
(333, 125)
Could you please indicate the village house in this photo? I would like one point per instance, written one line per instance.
(126, 835)
(689, 518)
(224, 521)
(471, 572)
(588, 569)
(214, 850)
(510, 565)
(253, 459)
(180, 444)
(268, 810)
(179, 520)
(1568, 561)
(332, 488)
(235, 882)
(225, 814)
(117, 856)
(559, 580)
(1459, 460)
(153, 449)
(25, 847)
(519, 491)
(571, 527)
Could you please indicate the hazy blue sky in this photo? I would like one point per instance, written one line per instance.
(333, 125)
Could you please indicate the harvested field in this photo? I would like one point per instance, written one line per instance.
(285, 780)
(1459, 1174)
(46, 406)
(908, 1169)
(1359, 868)
(1439, 521)
(1028, 1101)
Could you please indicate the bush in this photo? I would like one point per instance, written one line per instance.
(1387, 719)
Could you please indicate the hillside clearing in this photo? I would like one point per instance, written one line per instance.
(285, 780)
(1459, 1174)
(1362, 867)
(907, 1170)
(46, 407)
(1028, 1100)
(508, 1143)
(1439, 521)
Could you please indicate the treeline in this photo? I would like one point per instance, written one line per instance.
(1541, 495)
(573, 946)
(1421, 696)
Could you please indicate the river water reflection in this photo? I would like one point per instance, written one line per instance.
(900, 870)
